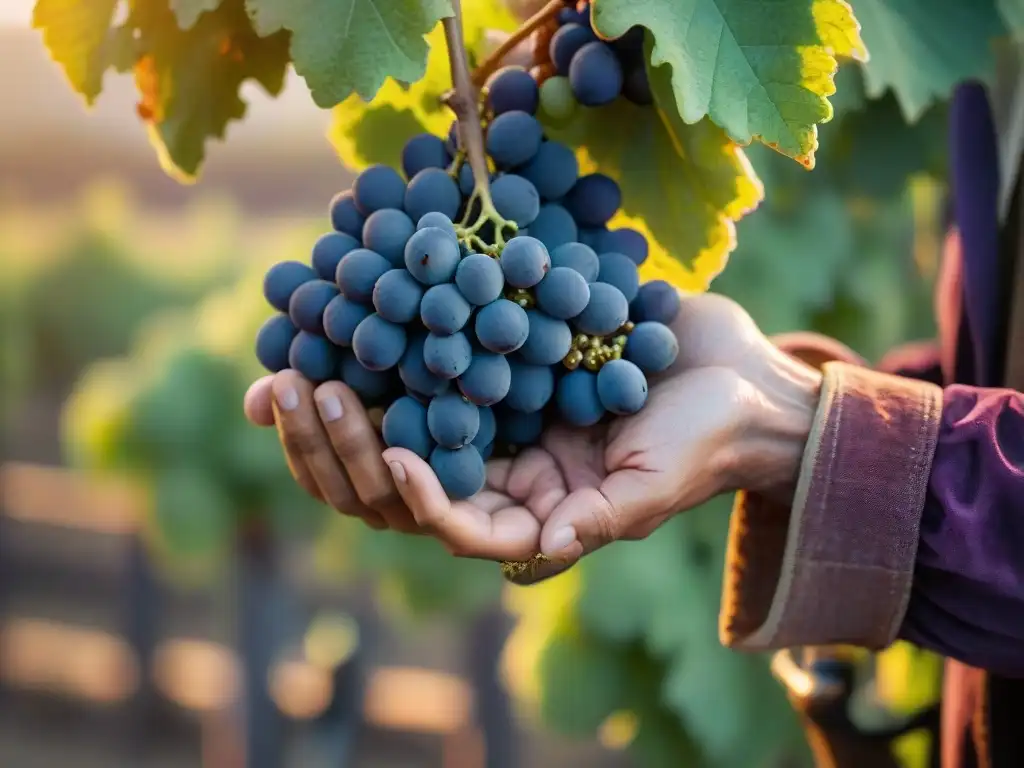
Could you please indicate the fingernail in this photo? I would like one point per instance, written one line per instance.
(561, 539)
(330, 408)
(288, 399)
(397, 472)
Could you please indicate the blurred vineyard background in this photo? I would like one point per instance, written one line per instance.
(129, 303)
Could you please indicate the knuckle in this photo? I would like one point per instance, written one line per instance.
(302, 442)
(380, 498)
(607, 525)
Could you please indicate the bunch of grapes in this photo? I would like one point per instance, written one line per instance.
(574, 66)
(475, 335)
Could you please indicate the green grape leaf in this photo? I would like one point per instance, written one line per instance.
(342, 47)
(193, 516)
(189, 80)
(189, 11)
(760, 70)
(364, 133)
(1012, 12)
(584, 681)
(922, 50)
(683, 185)
(76, 34)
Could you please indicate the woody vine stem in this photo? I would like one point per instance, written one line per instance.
(464, 101)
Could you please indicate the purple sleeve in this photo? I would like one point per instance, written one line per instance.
(967, 596)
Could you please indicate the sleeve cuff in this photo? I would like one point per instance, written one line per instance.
(836, 567)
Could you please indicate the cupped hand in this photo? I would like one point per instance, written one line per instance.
(732, 412)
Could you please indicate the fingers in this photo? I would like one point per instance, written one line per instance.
(355, 442)
(588, 519)
(310, 454)
(258, 406)
(476, 528)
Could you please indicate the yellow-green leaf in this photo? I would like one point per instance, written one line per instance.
(683, 185)
(759, 70)
(75, 32)
(189, 11)
(189, 80)
(351, 46)
(366, 133)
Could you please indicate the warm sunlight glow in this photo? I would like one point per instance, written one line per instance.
(16, 12)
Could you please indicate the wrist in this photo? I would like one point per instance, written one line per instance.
(777, 427)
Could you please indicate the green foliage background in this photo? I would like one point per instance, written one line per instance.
(628, 638)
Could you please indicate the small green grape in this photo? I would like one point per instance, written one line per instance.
(557, 103)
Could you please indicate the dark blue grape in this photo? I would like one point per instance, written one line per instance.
(386, 232)
(306, 309)
(652, 347)
(345, 217)
(452, 141)
(453, 421)
(378, 344)
(622, 387)
(461, 472)
(577, 399)
(592, 236)
(487, 379)
(502, 326)
(397, 296)
(515, 199)
(572, 15)
(273, 342)
(414, 372)
(595, 75)
(329, 250)
(578, 257)
(281, 281)
(438, 220)
(487, 451)
(636, 86)
(358, 273)
(513, 139)
(424, 151)
(480, 279)
(371, 386)
(432, 191)
(379, 186)
(488, 428)
(447, 356)
(554, 226)
(593, 200)
(313, 356)
(516, 428)
(549, 341)
(512, 89)
(531, 387)
(466, 180)
(627, 241)
(563, 293)
(656, 301)
(525, 261)
(405, 426)
(341, 318)
(619, 270)
(606, 311)
(444, 310)
(630, 46)
(553, 170)
(431, 256)
(566, 42)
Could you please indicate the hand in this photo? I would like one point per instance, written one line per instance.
(733, 412)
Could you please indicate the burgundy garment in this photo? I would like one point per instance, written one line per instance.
(967, 598)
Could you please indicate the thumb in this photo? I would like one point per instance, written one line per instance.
(590, 518)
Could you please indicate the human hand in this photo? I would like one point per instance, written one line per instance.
(733, 412)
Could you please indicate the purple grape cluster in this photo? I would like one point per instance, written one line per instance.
(599, 71)
(474, 352)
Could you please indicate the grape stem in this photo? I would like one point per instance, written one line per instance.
(489, 65)
(464, 100)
